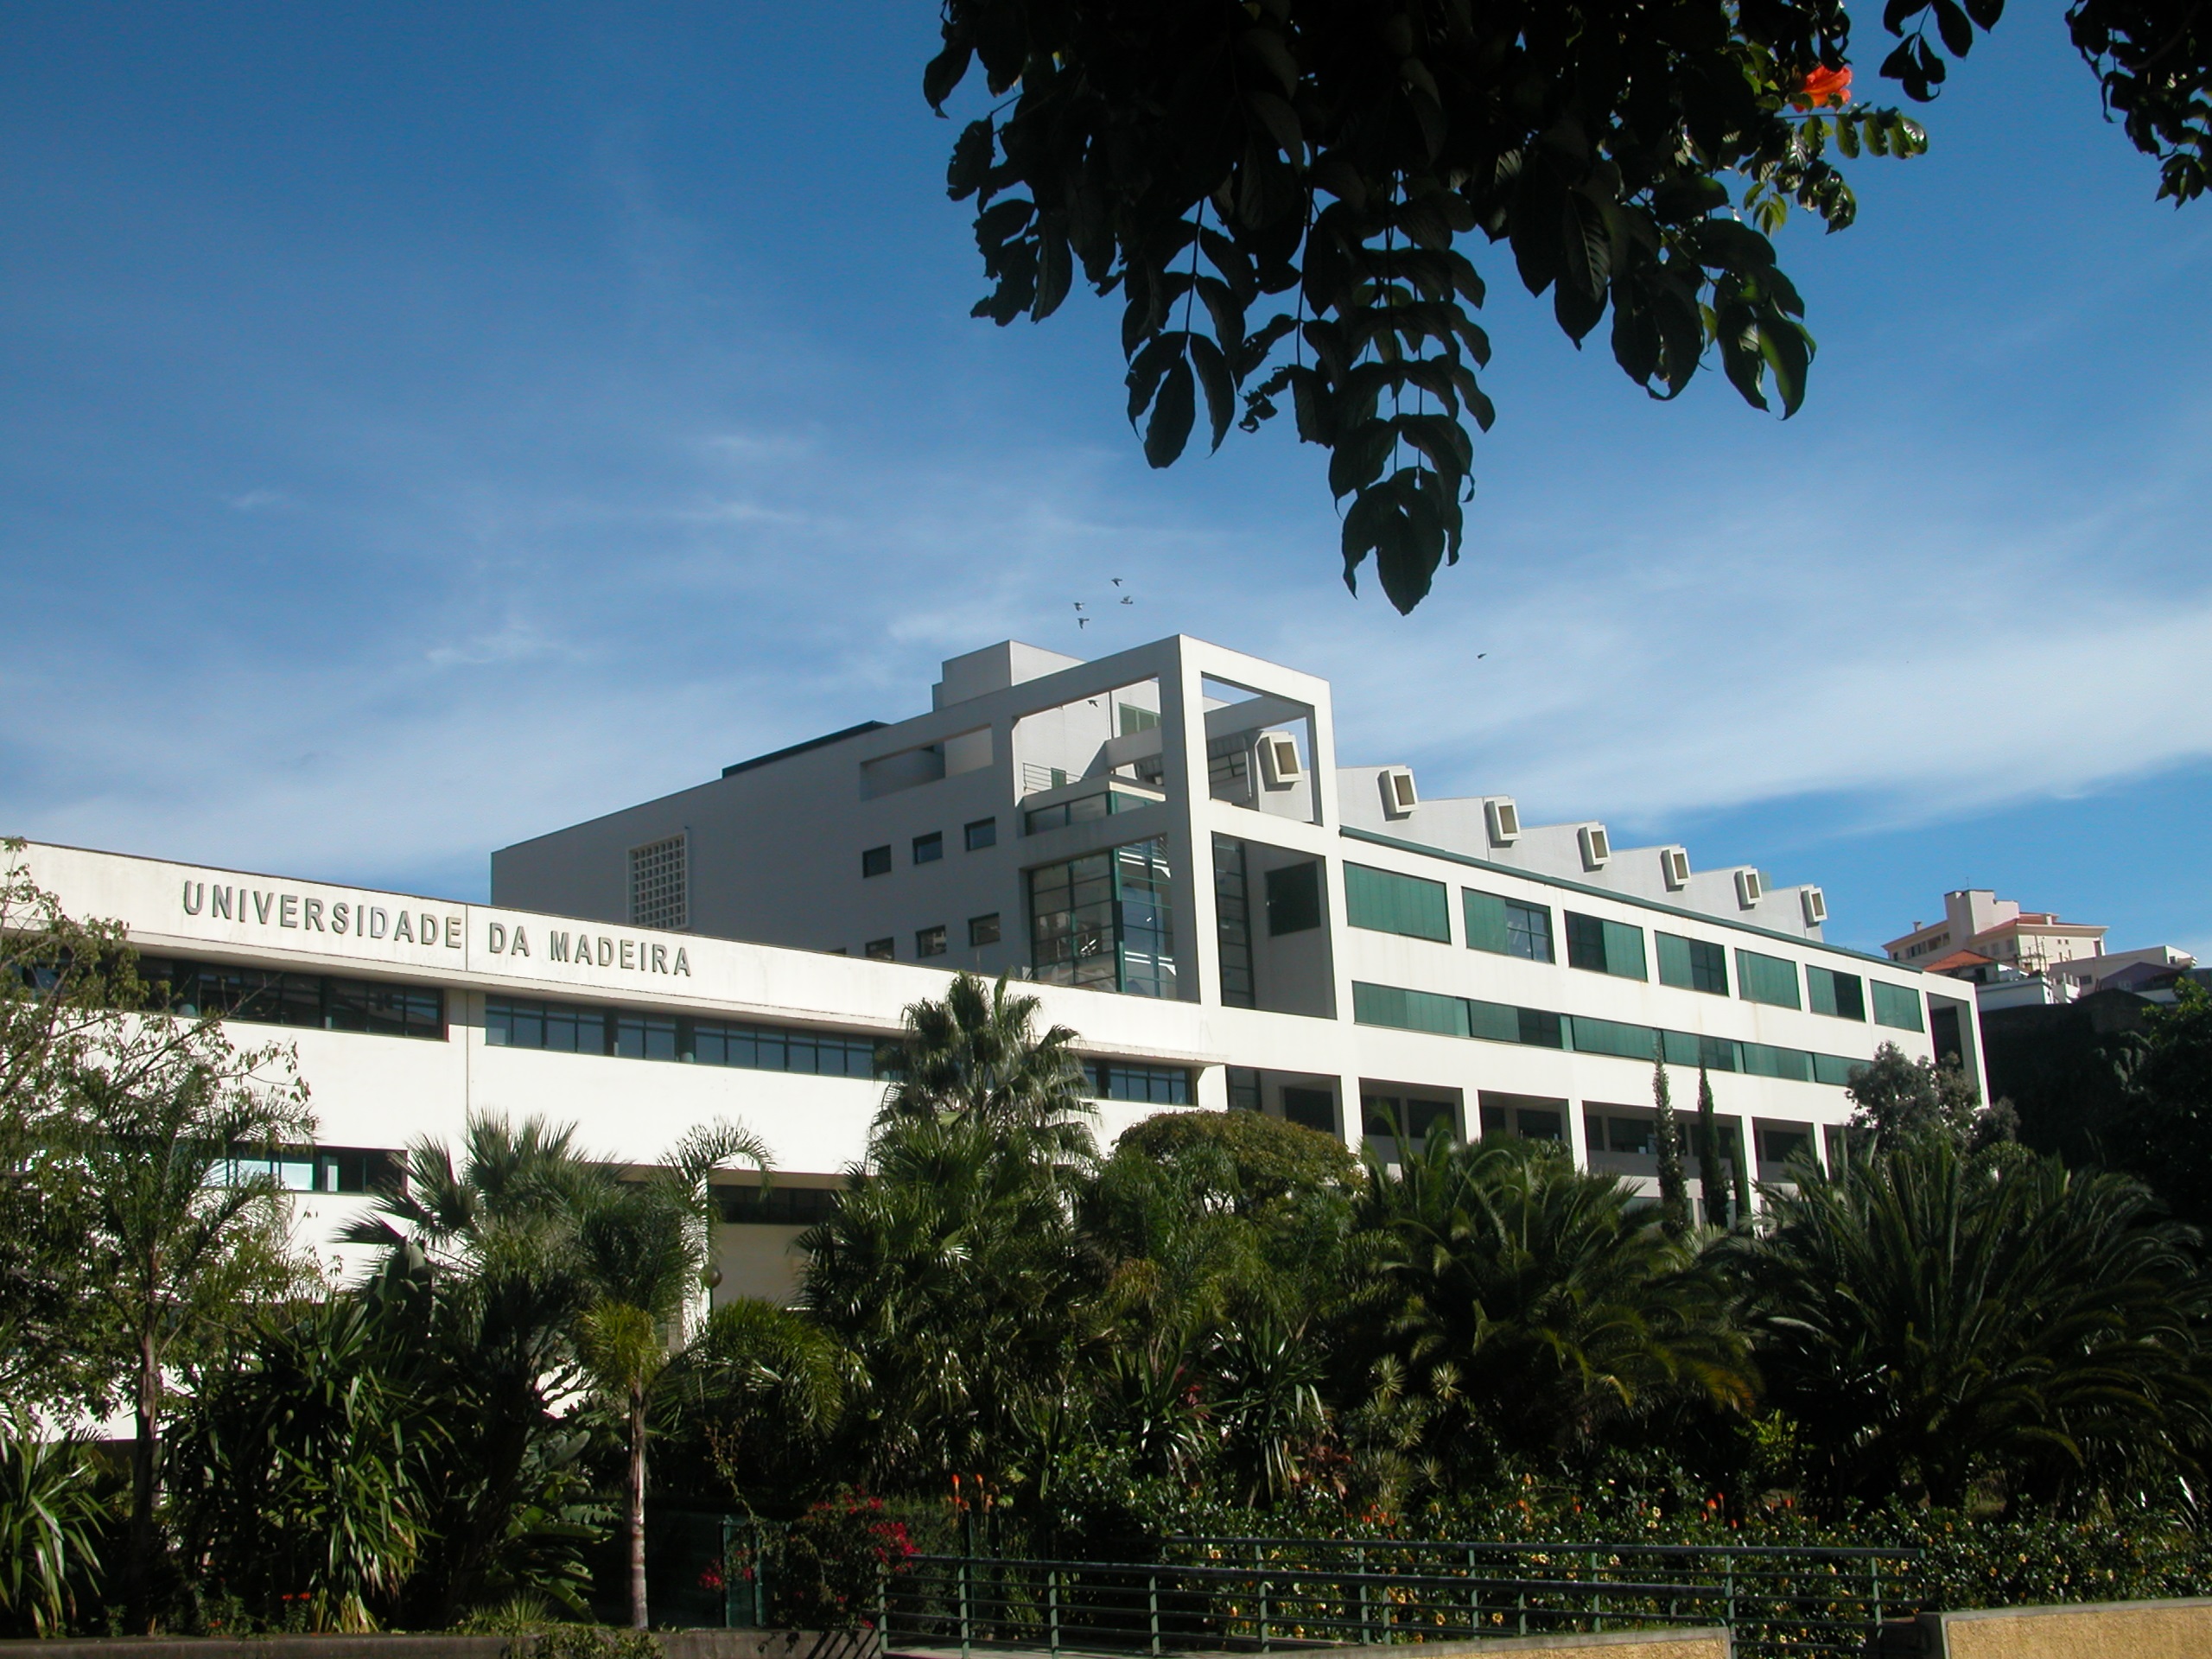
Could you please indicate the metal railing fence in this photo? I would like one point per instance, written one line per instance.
(1260, 1594)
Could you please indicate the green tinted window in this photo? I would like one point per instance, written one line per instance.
(1693, 965)
(1897, 1006)
(1771, 980)
(1386, 1005)
(1763, 1061)
(1390, 902)
(1612, 1037)
(1841, 995)
(1506, 926)
(1294, 899)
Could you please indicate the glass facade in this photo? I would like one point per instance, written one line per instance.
(1390, 902)
(1106, 921)
(576, 1028)
(318, 1169)
(1693, 965)
(263, 996)
(1102, 803)
(1232, 908)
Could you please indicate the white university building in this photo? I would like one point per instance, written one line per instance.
(1162, 841)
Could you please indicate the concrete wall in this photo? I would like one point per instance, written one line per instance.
(1639, 1644)
(2111, 1630)
(674, 1644)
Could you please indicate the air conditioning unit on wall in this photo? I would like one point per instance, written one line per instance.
(1278, 762)
(1749, 888)
(1504, 820)
(1399, 796)
(1817, 906)
(1675, 868)
(1597, 849)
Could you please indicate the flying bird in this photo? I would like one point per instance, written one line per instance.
(1118, 582)
(1083, 621)
(1079, 604)
(1125, 599)
(1480, 655)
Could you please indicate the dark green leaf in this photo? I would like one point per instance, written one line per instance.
(1172, 415)
(1220, 387)
(943, 73)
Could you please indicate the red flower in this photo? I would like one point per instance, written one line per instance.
(1822, 87)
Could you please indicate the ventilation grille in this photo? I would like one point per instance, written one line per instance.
(1399, 796)
(1749, 888)
(1505, 822)
(1675, 866)
(1597, 847)
(1278, 760)
(660, 883)
(1817, 906)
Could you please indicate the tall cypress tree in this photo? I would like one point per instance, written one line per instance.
(1739, 1162)
(1712, 1178)
(1667, 1137)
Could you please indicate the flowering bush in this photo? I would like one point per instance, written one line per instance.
(835, 1557)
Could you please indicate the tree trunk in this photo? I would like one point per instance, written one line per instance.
(145, 1474)
(636, 1507)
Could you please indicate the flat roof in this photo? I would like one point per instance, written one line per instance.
(823, 742)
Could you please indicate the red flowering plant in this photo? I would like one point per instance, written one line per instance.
(836, 1557)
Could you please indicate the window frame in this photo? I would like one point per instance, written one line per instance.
(1402, 898)
(980, 833)
(874, 862)
(929, 848)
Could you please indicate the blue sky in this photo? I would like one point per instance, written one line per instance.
(425, 425)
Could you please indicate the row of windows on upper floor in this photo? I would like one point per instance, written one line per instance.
(626, 1033)
(930, 941)
(929, 848)
(1416, 907)
(321, 1003)
(1400, 1009)
(984, 832)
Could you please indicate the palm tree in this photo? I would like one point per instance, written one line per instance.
(1930, 1316)
(1537, 1304)
(186, 1238)
(976, 1054)
(951, 1267)
(645, 1247)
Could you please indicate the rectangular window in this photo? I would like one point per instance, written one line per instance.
(1390, 902)
(659, 884)
(558, 1027)
(1780, 1145)
(1310, 1108)
(1632, 1134)
(983, 929)
(1693, 965)
(1841, 995)
(1152, 1085)
(1763, 1060)
(876, 861)
(878, 950)
(1835, 1069)
(1403, 1010)
(306, 1001)
(744, 1203)
(929, 941)
(984, 832)
(1770, 980)
(1506, 927)
(929, 848)
(1135, 719)
(1603, 947)
(1294, 899)
(770, 1048)
(1614, 1037)
(644, 1036)
(1387, 1116)
(1897, 1007)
